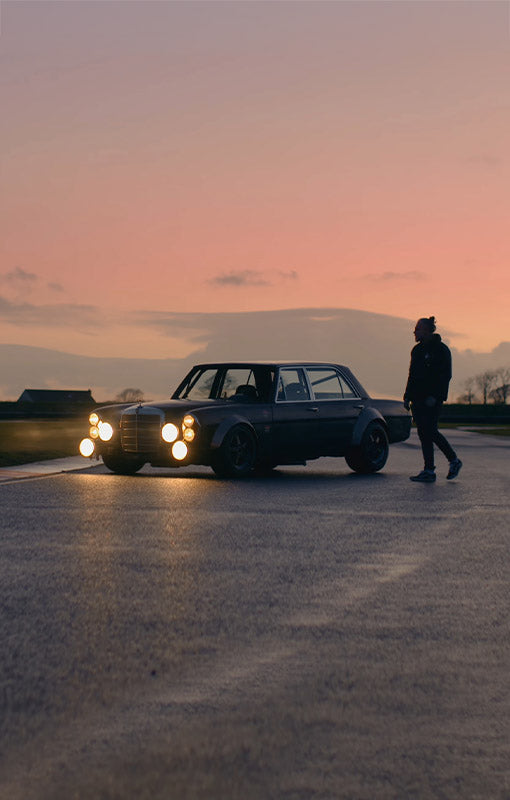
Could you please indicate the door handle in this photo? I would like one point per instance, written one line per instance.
(313, 408)
(361, 406)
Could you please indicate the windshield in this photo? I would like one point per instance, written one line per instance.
(227, 383)
(199, 385)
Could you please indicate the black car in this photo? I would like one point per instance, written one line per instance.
(242, 416)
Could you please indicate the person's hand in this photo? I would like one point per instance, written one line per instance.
(407, 405)
(430, 401)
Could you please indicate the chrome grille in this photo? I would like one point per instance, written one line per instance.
(140, 432)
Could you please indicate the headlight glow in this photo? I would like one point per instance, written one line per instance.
(188, 421)
(105, 431)
(179, 451)
(188, 434)
(94, 432)
(94, 418)
(86, 447)
(169, 432)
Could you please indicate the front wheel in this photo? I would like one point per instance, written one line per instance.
(372, 452)
(122, 464)
(237, 454)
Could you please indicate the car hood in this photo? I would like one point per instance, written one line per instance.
(168, 407)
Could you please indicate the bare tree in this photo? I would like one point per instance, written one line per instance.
(501, 392)
(485, 382)
(469, 396)
(503, 374)
(130, 395)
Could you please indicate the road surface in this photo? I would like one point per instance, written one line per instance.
(313, 634)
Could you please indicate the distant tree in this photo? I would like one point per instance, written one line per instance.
(469, 396)
(501, 393)
(129, 395)
(485, 382)
(498, 395)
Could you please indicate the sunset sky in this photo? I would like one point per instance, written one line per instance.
(246, 156)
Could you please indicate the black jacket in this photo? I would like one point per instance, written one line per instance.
(430, 371)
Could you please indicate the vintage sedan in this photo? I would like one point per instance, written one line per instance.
(239, 417)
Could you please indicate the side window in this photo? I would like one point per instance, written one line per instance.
(239, 382)
(327, 384)
(346, 389)
(292, 385)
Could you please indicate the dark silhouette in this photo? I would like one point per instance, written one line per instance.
(430, 373)
(130, 395)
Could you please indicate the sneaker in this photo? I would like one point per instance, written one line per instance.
(455, 467)
(425, 476)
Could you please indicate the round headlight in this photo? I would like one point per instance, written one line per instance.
(179, 451)
(94, 418)
(105, 431)
(86, 447)
(188, 434)
(169, 432)
(188, 421)
(94, 432)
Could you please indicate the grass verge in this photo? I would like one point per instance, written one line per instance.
(489, 430)
(23, 441)
(502, 431)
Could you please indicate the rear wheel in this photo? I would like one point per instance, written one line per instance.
(237, 454)
(122, 464)
(372, 452)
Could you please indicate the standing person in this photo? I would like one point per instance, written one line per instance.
(430, 372)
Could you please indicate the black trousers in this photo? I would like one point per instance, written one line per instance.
(426, 420)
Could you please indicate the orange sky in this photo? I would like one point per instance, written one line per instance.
(222, 156)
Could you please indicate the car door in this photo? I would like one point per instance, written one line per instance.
(338, 406)
(294, 417)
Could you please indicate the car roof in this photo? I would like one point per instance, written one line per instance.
(262, 363)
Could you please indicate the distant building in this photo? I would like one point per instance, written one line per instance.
(54, 402)
(57, 396)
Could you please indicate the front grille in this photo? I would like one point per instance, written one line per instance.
(140, 433)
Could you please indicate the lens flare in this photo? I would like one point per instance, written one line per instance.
(169, 432)
(179, 451)
(86, 447)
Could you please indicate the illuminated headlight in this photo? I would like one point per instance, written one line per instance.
(188, 434)
(179, 451)
(169, 432)
(188, 421)
(94, 418)
(105, 431)
(86, 447)
(94, 432)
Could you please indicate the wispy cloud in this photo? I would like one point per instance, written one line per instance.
(55, 287)
(19, 276)
(389, 276)
(50, 315)
(485, 160)
(243, 277)
(19, 283)
(253, 277)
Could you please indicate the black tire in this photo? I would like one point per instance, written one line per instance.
(372, 453)
(122, 464)
(237, 454)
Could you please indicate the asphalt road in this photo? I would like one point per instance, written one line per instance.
(314, 634)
